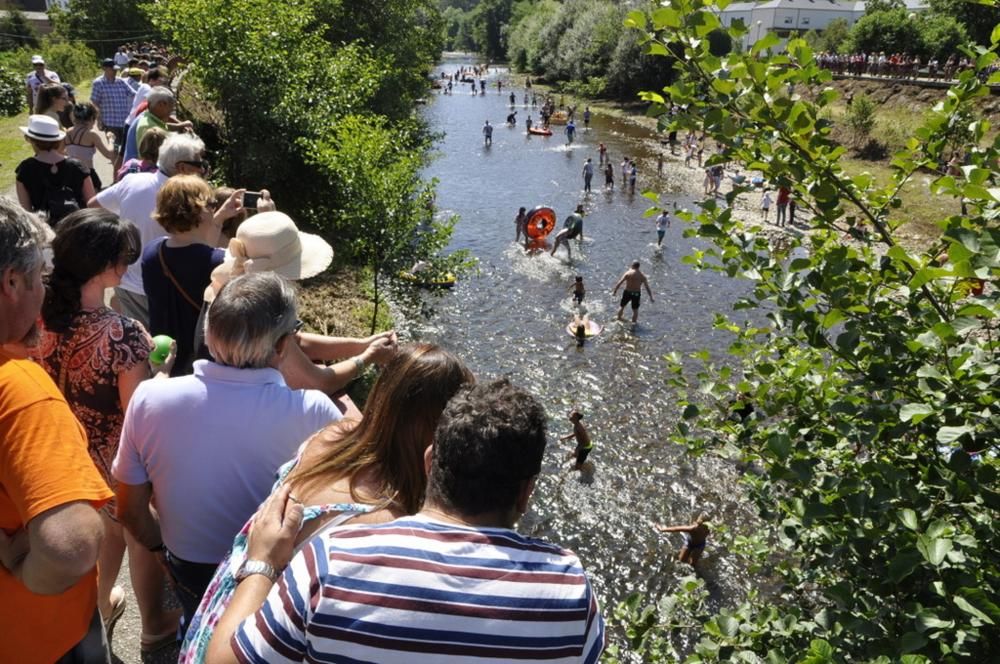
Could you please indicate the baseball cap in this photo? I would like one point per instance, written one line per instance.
(108, 62)
(37, 60)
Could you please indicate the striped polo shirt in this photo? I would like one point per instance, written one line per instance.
(418, 590)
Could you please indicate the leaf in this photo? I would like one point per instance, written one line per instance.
(995, 35)
(979, 598)
(915, 412)
(948, 435)
(728, 625)
(927, 619)
(665, 17)
(964, 604)
(933, 549)
(912, 641)
(635, 19)
(690, 412)
(909, 519)
(903, 564)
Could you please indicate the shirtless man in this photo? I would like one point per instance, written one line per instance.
(633, 280)
(695, 537)
(572, 229)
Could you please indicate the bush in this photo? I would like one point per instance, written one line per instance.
(860, 118)
(74, 61)
(16, 32)
(891, 31)
(11, 92)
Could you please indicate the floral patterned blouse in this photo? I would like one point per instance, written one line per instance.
(85, 362)
(223, 585)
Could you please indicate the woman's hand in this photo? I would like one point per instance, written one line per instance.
(232, 207)
(272, 535)
(164, 368)
(265, 203)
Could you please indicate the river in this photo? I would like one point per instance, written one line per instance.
(509, 319)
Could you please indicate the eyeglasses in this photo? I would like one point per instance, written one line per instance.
(297, 327)
(203, 165)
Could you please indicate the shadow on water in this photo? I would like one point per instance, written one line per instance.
(510, 320)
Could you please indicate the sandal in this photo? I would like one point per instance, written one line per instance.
(117, 609)
(151, 644)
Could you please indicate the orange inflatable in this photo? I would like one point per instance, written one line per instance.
(539, 222)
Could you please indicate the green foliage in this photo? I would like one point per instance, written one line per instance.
(16, 32)
(860, 117)
(942, 35)
(581, 41)
(73, 61)
(832, 39)
(893, 31)
(480, 26)
(11, 92)
(871, 366)
(317, 98)
(106, 24)
(978, 18)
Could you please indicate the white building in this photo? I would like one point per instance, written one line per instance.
(790, 18)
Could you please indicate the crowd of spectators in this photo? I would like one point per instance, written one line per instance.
(894, 65)
(224, 458)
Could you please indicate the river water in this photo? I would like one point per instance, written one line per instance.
(510, 319)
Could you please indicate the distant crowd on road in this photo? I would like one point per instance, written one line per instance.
(897, 65)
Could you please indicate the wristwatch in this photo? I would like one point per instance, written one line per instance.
(251, 567)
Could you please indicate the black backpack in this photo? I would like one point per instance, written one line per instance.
(58, 198)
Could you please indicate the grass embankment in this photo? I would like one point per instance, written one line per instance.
(13, 148)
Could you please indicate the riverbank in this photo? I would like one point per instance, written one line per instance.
(899, 110)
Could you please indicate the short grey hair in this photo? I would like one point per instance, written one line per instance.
(22, 238)
(158, 95)
(248, 317)
(177, 148)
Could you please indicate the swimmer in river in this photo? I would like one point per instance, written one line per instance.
(583, 442)
(572, 229)
(634, 280)
(519, 221)
(695, 537)
(578, 291)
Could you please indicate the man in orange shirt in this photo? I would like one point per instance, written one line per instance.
(50, 491)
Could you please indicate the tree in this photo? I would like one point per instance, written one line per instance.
(321, 112)
(979, 19)
(16, 31)
(104, 25)
(489, 27)
(870, 366)
(891, 31)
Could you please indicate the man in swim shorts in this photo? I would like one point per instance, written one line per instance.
(572, 229)
(695, 537)
(633, 280)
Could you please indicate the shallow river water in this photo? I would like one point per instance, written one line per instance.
(510, 319)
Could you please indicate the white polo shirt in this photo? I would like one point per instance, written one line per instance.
(134, 198)
(211, 444)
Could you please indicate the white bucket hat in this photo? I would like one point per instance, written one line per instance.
(43, 128)
(37, 60)
(270, 242)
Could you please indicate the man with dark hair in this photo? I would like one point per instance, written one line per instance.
(454, 583)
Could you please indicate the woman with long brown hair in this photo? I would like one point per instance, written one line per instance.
(367, 471)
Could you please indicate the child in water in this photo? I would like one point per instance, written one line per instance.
(578, 291)
(583, 443)
(695, 537)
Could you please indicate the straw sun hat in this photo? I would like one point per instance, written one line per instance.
(270, 242)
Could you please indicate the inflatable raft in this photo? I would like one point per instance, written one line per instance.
(559, 118)
(591, 328)
(540, 131)
(447, 281)
(539, 222)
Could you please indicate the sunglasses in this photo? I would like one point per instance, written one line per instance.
(203, 165)
(297, 327)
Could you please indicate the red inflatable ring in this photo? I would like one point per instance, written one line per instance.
(539, 222)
